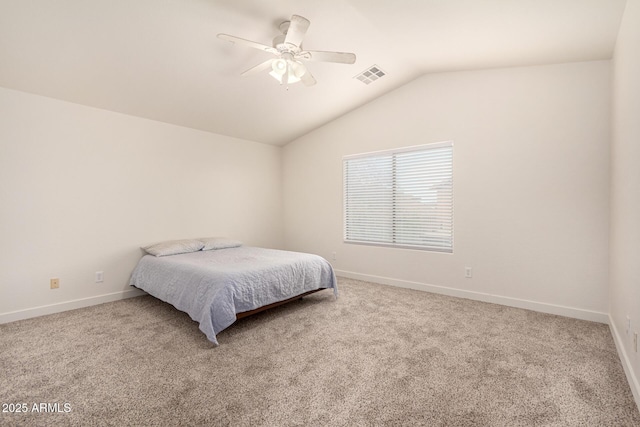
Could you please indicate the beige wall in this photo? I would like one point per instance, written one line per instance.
(82, 189)
(531, 185)
(625, 192)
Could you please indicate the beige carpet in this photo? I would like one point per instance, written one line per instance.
(376, 356)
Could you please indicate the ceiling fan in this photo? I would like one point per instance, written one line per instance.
(287, 66)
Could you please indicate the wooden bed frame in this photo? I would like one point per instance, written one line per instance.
(275, 304)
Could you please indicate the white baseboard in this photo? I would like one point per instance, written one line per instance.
(576, 313)
(626, 363)
(68, 305)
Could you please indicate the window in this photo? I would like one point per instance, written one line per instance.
(400, 197)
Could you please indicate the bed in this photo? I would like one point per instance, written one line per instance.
(218, 286)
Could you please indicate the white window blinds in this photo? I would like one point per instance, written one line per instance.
(400, 197)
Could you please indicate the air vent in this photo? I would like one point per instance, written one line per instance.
(370, 75)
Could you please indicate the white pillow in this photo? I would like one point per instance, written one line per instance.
(212, 243)
(174, 247)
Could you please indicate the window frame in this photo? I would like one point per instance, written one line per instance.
(394, 152)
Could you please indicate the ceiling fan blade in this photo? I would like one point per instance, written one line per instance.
(308, 79)
(297, 29)
(316, 55)
(255, 45)
(258, 68)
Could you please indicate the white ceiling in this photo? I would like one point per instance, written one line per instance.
(160, 59)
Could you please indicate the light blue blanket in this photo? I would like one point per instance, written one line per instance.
(212, 286)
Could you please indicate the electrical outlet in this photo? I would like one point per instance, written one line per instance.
(55, 283)
(99, 276)
(333, 256)
(468, 272)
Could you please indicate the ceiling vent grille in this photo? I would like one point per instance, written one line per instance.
(370, 75)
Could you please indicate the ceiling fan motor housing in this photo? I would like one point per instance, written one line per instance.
(282, 47)
(279, 40)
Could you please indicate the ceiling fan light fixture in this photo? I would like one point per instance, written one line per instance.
(292, 78)
(279, 66)
(296, 71)
(293, 70)
(278, 69)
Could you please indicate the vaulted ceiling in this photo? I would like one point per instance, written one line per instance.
(161, 59)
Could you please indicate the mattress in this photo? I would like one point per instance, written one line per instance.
(214, 286)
